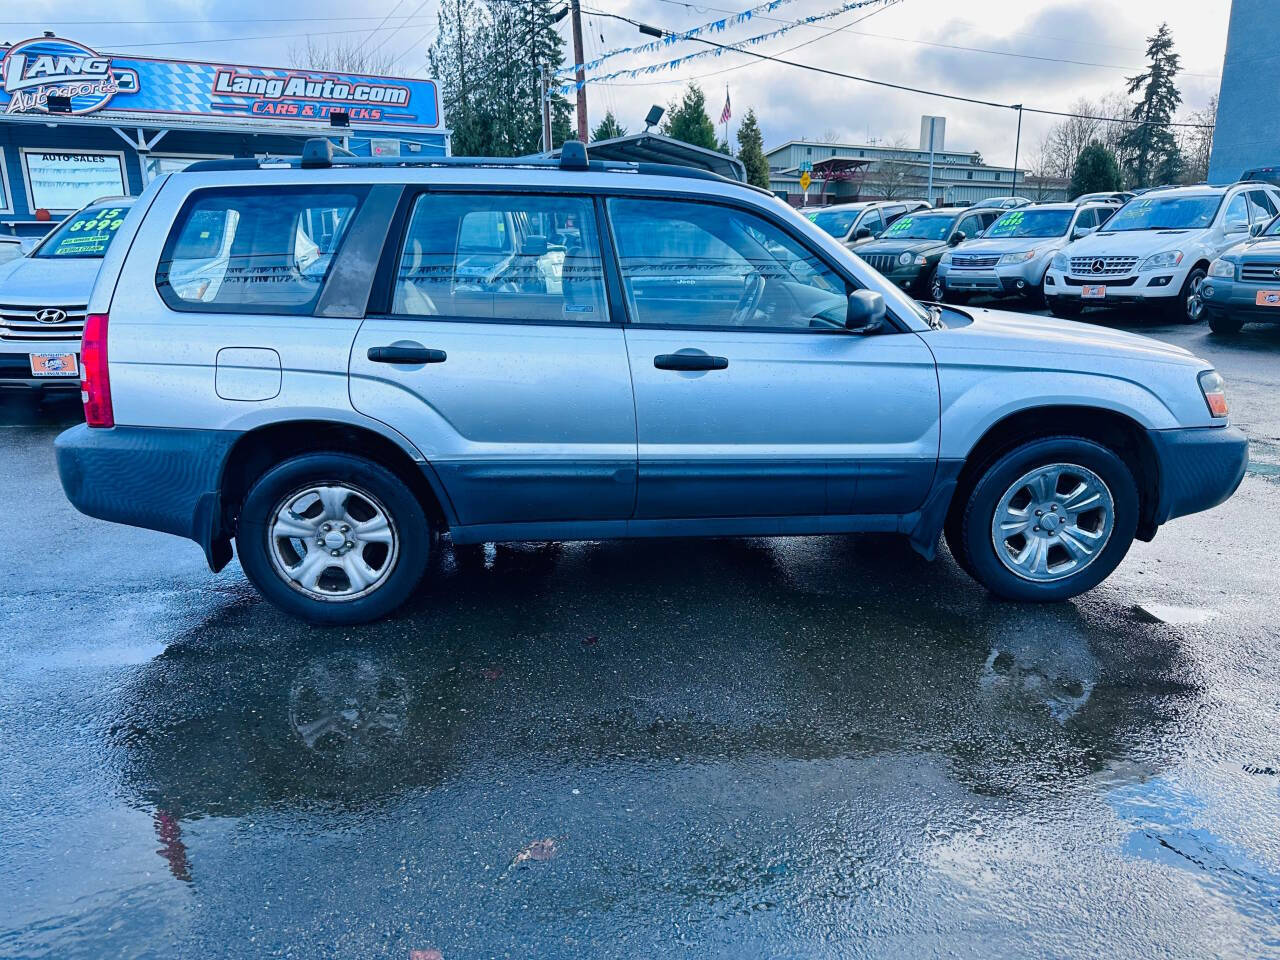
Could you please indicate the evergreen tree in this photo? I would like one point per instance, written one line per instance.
(1096, 171)
(751, 151)
(486, 57)
(1150, 146)
(687, 120)
(608, 128)
(723, 146)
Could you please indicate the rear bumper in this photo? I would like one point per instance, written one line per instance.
(1200, 467)
(160, 479)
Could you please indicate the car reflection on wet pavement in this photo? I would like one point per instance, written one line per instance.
(805, 748)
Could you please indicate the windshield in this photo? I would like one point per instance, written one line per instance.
(1166, 213)
(87, 234)
(1273, 228)
(1031, 223)
(835, 222)
(917, 227)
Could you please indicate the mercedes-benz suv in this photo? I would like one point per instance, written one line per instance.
(1156, 250)
(330, 361)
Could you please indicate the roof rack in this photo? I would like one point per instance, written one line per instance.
(322, 153)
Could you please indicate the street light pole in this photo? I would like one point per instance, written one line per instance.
(545, 88)
(932, 121)
(580, 75)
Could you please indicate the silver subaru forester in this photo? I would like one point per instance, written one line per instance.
(329, 360)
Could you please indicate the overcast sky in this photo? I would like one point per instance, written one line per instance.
(893, 44)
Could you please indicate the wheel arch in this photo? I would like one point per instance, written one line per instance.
(1116, 431)
(261, 448)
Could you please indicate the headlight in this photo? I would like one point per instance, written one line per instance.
(1215, 392)
(1222, 268)
(1161, 261)
(905, 259)
(1061, 262)
(1018, 257)
(945, 258)
(921, 260)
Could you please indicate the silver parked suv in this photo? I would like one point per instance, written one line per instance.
(328, 360)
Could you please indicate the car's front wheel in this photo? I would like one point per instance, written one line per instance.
(1064, 308)
(1188, 306)
(333, 538)
(1047, 520)
(937, 290)
(1224, 323)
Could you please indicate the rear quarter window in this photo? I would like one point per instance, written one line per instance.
(255, 249)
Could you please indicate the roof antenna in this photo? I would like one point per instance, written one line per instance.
(573, 155)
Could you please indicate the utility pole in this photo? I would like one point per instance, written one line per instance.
(1017, 145)
(580, 75)
(544, 86)
(932, 121)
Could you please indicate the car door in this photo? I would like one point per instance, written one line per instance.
(757, 402)
(493, 352)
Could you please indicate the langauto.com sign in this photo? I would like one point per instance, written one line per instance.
(142, 88)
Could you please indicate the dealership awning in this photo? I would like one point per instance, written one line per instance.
(651, 147)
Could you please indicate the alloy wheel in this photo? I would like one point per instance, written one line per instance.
(334, 542)
(1053, 522)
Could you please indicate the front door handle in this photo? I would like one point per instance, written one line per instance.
(689, 361)
(408, 355)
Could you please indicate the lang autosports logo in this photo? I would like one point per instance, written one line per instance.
(35, 70)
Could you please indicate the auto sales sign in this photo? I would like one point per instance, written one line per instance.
(142, 88)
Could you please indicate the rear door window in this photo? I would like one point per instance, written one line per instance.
(514, 258)
(255, 250)
(873, 223)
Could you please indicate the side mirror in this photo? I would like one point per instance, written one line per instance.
(956, 238)
(1237, 226)
(535, 245)
(866, 312)
(1256, 229)
(862, 233)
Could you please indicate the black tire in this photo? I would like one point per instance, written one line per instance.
(969, 536)
(1224, 324)
(937, 292)
(1180, 308)
(408, 563)
(1064, 308)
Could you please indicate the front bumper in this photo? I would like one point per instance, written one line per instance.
(1134, 288)
(15, 367)
(160, 479)
(1238, 299)
(1199, 468)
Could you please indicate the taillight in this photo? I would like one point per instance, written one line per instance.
(95, 383)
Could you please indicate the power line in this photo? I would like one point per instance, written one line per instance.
(978, 101)
(402, 25)
(135, 23)
(360, 45)
(265, 36)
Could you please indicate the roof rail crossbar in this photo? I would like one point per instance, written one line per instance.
(573, 155)
(319, 152)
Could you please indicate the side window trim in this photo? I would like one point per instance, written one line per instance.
(382, 297)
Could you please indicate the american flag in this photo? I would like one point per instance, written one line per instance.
(726, 113)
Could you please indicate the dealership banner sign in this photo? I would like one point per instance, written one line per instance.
(141, 88)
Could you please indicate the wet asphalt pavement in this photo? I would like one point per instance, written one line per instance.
(815, 747)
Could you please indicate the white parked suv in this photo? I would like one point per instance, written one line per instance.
(329, 360)
(1157, 248)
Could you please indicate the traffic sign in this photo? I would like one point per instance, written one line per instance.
(805, 180)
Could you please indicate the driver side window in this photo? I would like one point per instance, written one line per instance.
(701, 264)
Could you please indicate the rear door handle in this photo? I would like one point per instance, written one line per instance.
(406, 355)
(689, 361)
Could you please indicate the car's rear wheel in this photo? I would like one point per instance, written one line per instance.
(937, 291)
(1047, 520)
(333, 538)
(1224, 323)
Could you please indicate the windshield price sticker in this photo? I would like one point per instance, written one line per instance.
(1008, 222)
(901, 225)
